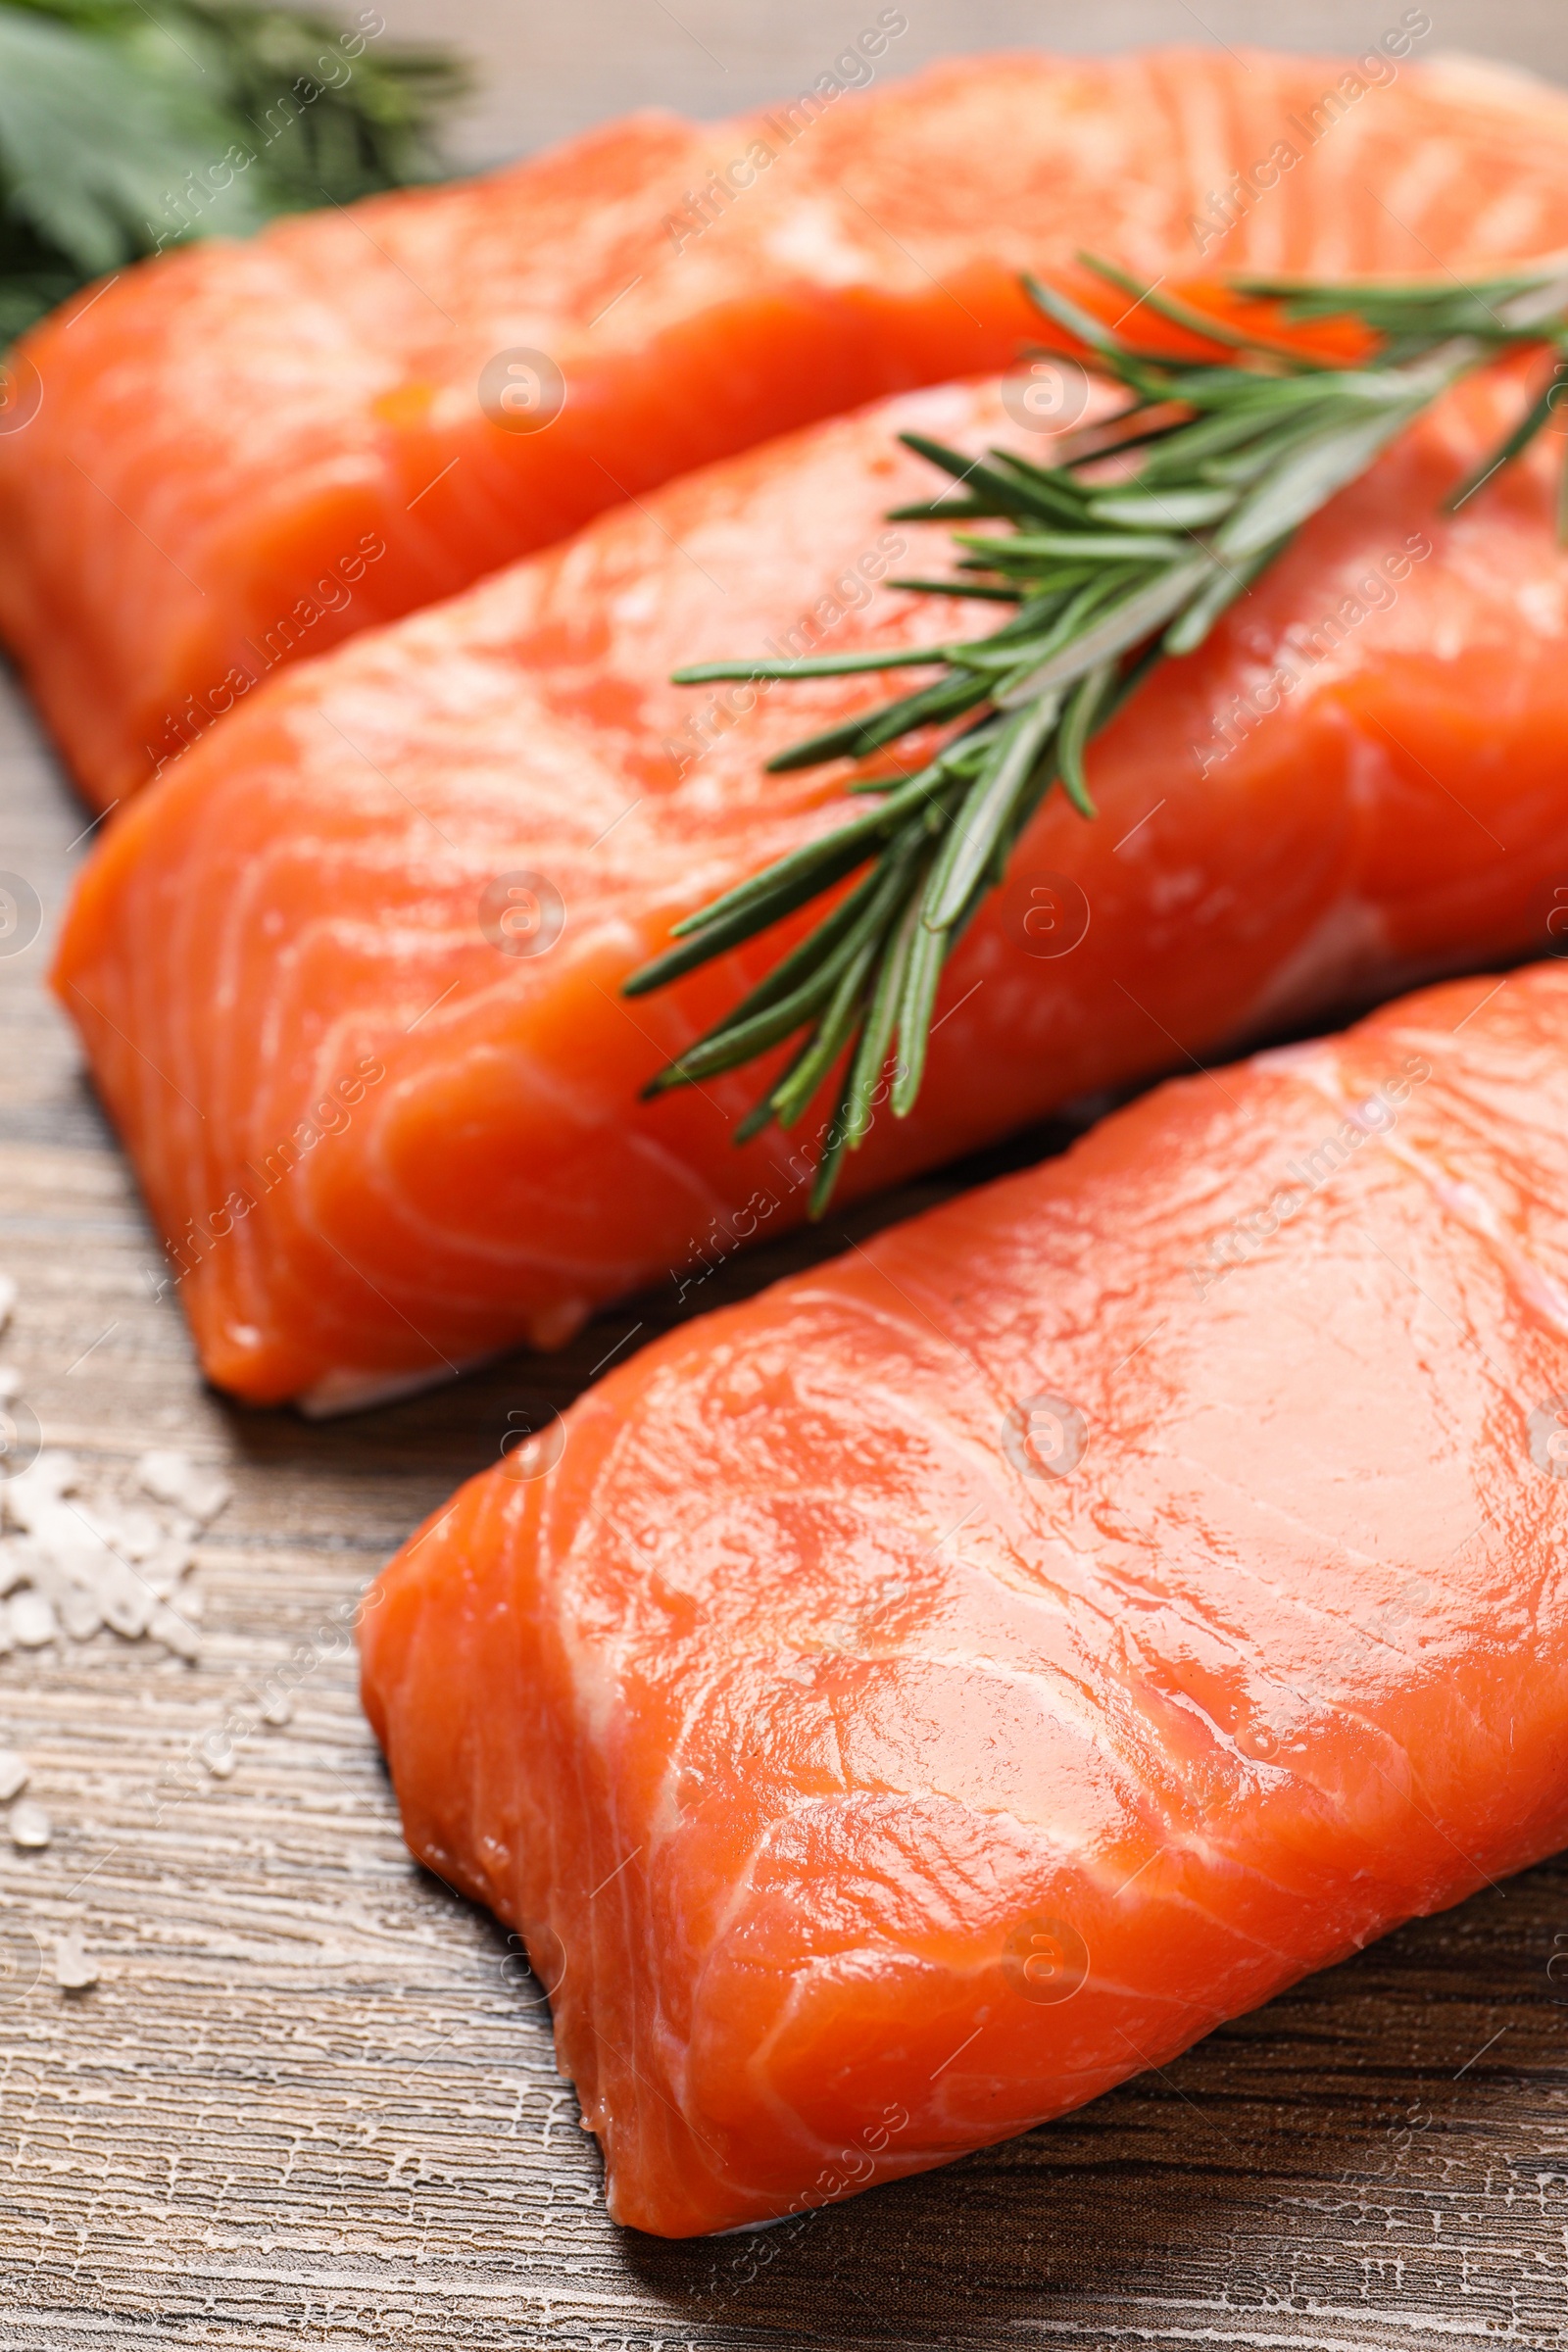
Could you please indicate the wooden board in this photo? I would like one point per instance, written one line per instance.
(310, 2100)
(551, 72)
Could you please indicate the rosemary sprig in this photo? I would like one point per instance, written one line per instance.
(128, 125)
(1104, 578)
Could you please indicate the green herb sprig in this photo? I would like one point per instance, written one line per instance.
(127, 125)
(1105, 578)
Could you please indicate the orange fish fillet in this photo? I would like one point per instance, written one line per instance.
(899, 1707)
(245, 453)
(380, 1142)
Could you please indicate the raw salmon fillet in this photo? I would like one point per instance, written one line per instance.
(379, 1144)
(243, 452)
(955, 1679)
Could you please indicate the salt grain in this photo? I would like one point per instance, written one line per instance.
(29, 1824)
(55, 1473)
(166, 1625)
(134, 1532)
(172, 1476)
(72, 1546)
(12, 1775)
(8, 1299)
(81, 1612)
(10, 1384)
(32, 1620)
(81, 1565)
(21, 1562)
(163, 1568)
(73, 1971)
(128, 1607)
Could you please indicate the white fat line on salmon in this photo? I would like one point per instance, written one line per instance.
(725, 1239)
(850, 592)
(331, 1116)
(1354, 1633)
(334, 592)
(781, 126)
(890, 1592)
(1377, 1115)
(1307, 648)
(1375, 70)
(185, 206)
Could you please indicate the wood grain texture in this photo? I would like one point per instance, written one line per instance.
(552, 72)
(312, 2099)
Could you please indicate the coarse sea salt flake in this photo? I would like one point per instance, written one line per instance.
(163, 1568)
(83, 1564)
(8, 1299)
(167, 1626)
(172, 1476)
(29, 1824)
(80, 1611)
(66, 1545)
(55, 1473)
(128, 1607)
(12, 1775)
(132, 1533)
(10, 1384)
(32, 1620)
(21, 1562)
(73, 1971)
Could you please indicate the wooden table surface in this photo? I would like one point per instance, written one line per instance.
(310, 2099)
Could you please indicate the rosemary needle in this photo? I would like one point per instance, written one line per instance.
(1103, 581)
(126, 127)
